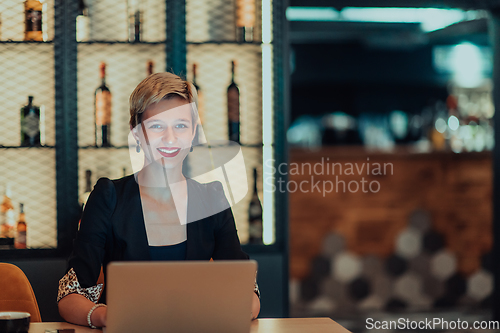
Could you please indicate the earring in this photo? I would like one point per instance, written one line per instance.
(191, 149)
(138, 147)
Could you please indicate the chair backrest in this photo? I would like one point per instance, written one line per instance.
(16, 293)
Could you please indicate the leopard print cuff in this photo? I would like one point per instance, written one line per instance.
(69, 285)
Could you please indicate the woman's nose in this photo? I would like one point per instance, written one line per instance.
(169, 136)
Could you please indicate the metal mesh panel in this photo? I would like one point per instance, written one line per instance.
(213, 75)
(21, 76)
(109, 20)
(27, 69)
(102, 162)
(213, 42)
(31, 174)
(32, 171)
(215, 21)
(253, 159)
(125, 68)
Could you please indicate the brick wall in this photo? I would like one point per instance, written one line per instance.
(455, 190)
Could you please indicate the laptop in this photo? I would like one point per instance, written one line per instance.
(187, 296)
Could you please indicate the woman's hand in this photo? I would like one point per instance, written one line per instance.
(255, 306)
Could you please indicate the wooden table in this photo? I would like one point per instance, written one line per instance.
(296, 325)
(284, 325)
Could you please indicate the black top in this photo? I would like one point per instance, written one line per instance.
(168, 252)
(112, 228)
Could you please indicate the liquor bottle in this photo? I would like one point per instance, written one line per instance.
(150, 67)
(43, 134)
(33, 20)
(245, 20)
(82, 22)
(88, 188)
(30, 124)
(134, 20)
(255, 215)
(201, 104)
(194, 79)
(20, 242)
(103, 111)
(7, 220)
(233, 108)
(439, 128)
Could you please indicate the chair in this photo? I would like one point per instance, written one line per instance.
(16, 293)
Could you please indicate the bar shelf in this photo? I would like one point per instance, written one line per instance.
(120, 42)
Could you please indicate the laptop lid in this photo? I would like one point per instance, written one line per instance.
(187, 296)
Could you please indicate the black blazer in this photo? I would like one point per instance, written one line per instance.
(112, 228)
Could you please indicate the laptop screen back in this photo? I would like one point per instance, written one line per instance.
(188, 296)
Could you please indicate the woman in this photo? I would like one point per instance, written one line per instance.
(149, 215)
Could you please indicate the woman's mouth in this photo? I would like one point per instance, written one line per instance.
(169, 152)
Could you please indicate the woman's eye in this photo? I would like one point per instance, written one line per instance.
(181, 126)
(155, 126)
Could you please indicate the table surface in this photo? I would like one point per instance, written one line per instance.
(282, 325)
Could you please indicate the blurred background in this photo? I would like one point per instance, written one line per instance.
(407, 84)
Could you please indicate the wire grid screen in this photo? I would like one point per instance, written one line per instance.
(253, 159)
(126, 66)
(12, 20)
(211, 34)
(215, 20)
(30, 173)
(109, 19)
(27, 69)
(22, 77)
(213, 76)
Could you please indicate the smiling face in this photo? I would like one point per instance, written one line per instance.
(166, 132)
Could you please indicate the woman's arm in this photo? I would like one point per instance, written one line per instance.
(74, 308)
(79, 289)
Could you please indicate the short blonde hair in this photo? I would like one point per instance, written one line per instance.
(158, 87)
